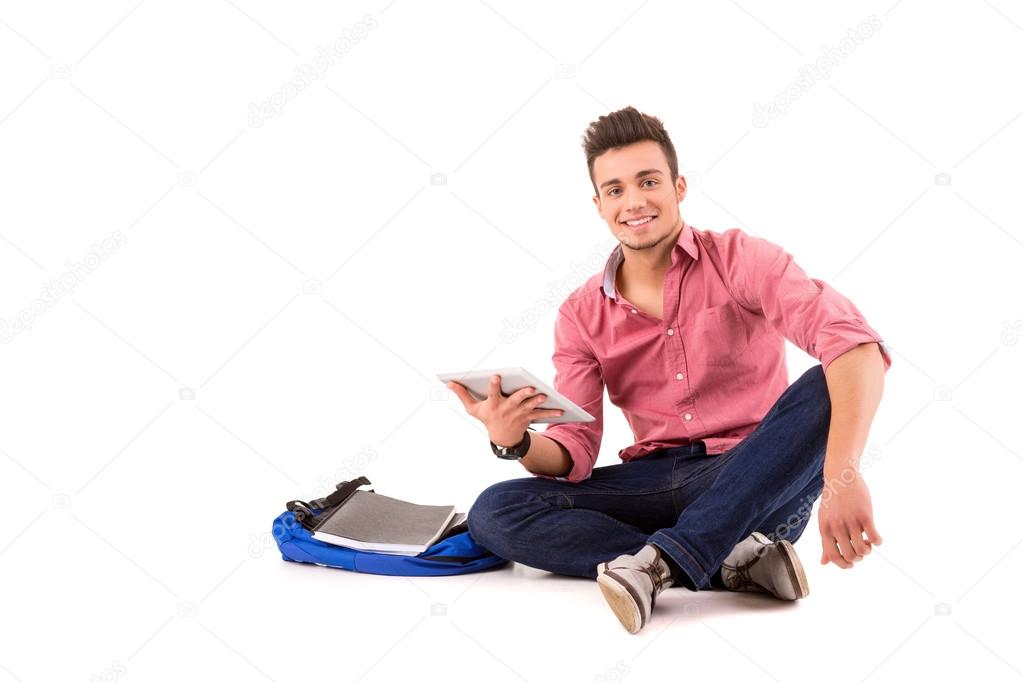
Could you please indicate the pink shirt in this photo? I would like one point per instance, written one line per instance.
(714, 366)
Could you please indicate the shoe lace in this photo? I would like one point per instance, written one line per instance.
(742, 575)
(657, 578)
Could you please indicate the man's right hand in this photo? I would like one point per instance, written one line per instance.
(506, 419)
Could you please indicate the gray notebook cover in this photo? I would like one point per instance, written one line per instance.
(372, 517)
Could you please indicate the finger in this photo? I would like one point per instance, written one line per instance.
(835, 557)
(859, 545)
(832, 553)
(846, 547)
(530, 402)
(527, 402)
(494, 390)
(460, 392)
(872, 535)
(522, 395)
(547, 413)
(533, 402)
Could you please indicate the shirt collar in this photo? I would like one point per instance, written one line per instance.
(686, 242)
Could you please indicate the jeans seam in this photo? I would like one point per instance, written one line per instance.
(674, 490)
(713, 469)
(634, 493)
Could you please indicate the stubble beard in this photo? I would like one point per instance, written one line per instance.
(625, 238)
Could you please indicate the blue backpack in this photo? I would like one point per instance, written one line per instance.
(455, 552)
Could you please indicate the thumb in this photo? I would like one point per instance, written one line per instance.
(459, 391)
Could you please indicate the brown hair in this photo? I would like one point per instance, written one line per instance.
(624, 127)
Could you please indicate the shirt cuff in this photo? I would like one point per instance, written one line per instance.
(582, 463)
(849, 335)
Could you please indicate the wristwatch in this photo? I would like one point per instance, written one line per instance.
(515, 452)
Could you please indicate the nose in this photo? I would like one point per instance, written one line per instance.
(634, 199)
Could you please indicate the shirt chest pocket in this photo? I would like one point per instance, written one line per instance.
(716, 335)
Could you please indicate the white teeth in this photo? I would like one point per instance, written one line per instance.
(634, 223)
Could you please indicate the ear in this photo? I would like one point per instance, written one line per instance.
(596, 202)
(680, 188)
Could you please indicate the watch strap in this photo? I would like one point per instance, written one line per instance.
(517, 451)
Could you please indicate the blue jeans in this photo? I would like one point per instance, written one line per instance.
(694, 507)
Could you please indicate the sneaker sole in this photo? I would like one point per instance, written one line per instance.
(622, 601)
(794, 567)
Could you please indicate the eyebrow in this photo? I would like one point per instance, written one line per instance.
(648, 171)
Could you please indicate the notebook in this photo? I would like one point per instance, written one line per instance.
(369, 521)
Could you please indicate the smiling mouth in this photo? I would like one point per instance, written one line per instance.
(639, 222)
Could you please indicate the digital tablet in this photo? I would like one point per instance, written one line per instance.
(477, 382)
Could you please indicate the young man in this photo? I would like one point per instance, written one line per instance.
(686, 330)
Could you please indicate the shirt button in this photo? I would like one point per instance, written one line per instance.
(671, 332)
(680, 376)
(688, 417)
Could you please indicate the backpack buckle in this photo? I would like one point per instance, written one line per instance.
(301, 511)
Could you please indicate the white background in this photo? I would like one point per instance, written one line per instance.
(306, 277)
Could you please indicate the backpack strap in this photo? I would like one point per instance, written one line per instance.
(305, 512)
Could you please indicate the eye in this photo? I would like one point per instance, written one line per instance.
(653, 181)
(609, 192)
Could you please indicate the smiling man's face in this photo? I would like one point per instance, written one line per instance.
(635, 194)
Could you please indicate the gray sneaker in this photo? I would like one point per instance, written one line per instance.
(759, 565)
(631, 583)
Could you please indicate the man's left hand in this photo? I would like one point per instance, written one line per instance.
(844, 516)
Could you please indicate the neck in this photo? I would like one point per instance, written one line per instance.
(646, 265)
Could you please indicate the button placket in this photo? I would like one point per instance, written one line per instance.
(675, 352)
(686, 407)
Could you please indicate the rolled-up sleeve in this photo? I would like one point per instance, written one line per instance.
(577, 377)
(807, 311)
